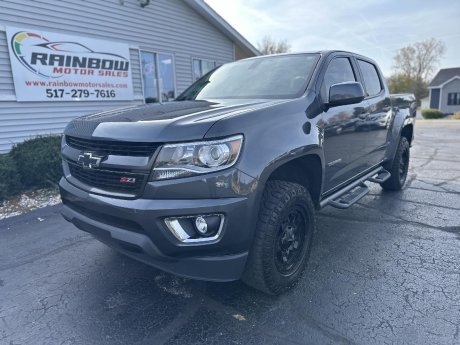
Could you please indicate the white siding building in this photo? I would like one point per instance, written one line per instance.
(177, 40)
(445, 91)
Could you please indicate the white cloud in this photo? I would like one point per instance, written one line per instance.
(375, 28)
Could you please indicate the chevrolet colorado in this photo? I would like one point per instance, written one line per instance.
(224, 182)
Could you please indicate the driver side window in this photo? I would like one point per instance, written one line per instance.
(338, 71)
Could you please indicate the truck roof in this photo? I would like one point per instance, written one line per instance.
(322, 52)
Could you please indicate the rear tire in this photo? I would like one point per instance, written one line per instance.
(283, 238)
(399, 167)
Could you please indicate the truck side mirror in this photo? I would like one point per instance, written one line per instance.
(345, 93)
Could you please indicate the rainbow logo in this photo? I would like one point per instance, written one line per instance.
(26, 45)
(17, 42)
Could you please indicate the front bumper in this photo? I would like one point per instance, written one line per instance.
(137, 229)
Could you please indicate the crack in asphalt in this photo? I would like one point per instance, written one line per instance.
(73, 243)
(391, 215)
(410, 201)
(329, 332)
(167, 333)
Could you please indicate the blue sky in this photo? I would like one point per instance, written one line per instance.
(375, 28)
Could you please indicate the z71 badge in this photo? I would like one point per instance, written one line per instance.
(128, 180)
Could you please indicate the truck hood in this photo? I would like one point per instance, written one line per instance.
(173, 121)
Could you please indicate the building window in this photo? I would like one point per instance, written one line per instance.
(158, 77)
(201, 67)
(453, 98)
(149, 76)
(166, 72)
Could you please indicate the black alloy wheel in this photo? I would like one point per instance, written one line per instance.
(290, 242)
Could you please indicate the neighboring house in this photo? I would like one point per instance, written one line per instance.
(445, 91)
(95, 55)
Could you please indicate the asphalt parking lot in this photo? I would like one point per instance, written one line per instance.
(386, 271)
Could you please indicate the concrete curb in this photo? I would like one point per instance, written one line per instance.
(436, 122)
(26, 217)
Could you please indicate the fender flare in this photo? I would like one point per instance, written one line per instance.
(301, 152)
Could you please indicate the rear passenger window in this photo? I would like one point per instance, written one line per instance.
(338, 71)
(371, 78)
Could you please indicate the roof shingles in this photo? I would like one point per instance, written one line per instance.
(444, 75)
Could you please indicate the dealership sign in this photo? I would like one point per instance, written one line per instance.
(53, 67)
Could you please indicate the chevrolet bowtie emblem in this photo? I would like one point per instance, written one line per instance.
(89, 160)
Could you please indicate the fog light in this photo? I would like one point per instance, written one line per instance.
(201, 225)
(193, 229)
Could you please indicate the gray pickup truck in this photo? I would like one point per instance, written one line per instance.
(224, 182)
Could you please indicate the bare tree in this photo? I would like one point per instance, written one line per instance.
(414, 65)
(419, 60)
(269, 46)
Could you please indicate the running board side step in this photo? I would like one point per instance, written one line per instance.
(350, 198)
(352, 193)
(381, 177)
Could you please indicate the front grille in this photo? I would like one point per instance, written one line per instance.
(112, 147)
(108, 180)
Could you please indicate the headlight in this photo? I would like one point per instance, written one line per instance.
(189, 159)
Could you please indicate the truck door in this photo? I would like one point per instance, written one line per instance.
(380, 114)
(344, 147)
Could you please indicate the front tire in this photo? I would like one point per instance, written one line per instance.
(399, 167)
(283, 238)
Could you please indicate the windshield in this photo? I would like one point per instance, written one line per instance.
(282, 76)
